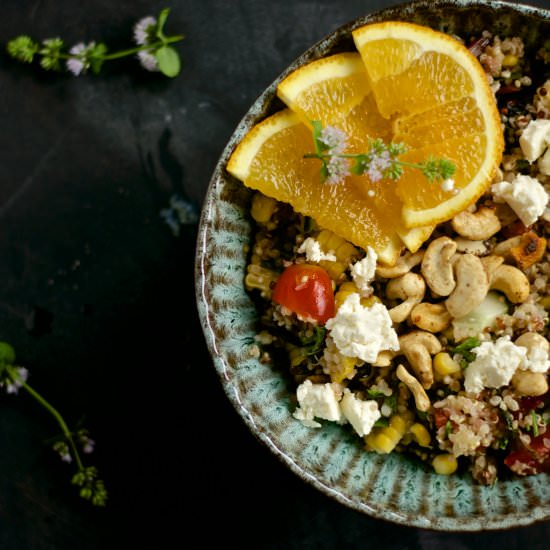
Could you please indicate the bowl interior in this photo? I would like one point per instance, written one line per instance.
(391, 487)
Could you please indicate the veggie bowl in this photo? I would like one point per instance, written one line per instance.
(401, 369)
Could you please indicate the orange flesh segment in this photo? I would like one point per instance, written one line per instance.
(280, 170)
(329, 101)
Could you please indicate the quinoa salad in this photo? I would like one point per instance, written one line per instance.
(443, 356)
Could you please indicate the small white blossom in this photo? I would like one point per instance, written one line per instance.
(334, 139)
(143, 29)
(20, 377)
(148, 61)
(338, 169)
(448, 185)
(79, 63)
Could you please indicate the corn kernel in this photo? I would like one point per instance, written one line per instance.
(444, 364)
(384, 442)
(545, 302)
(510, 60)
(420, 434)
(399, 424)
(445, 464)
(344, 290)
(262, 207)
(296, 355)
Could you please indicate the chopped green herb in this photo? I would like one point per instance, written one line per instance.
(448, 428)
(535, 424)
(382, 423)
(313, 344)
(465, 350)
(391, 402)
(373, 394)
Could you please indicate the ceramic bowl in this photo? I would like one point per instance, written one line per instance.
(390, 487)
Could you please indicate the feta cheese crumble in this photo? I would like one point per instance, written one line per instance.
(363, 272)
(535, 138)
(525, 195)
(362, 332)
(325, 402)
(360, 414)
(312, 249)
(317, 401)
(494, 365)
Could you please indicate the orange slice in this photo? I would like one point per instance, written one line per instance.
(335, 91)
(438, 97)
(270, 158)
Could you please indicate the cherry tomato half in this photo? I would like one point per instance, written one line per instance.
(306, 290)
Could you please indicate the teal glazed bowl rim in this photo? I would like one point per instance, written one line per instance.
(391, 487)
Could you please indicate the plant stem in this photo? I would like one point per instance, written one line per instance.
(129, 51)
(154, 45)
(60, 420)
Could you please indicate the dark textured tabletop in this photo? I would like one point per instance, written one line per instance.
(97, 293)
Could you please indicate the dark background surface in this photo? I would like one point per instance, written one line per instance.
(97, 295)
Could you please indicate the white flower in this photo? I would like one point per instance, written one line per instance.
(334, 139)
(148, 61)
(448, 185)
(20, 376)
(79, 63)
(338, 169)
(143, 29)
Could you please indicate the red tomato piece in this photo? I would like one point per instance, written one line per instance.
(531, 459)
(306, 290)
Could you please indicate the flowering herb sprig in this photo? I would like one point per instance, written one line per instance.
(153, 50)
(380, 161)
(12, 379)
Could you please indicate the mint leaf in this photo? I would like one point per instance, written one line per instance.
(168, 60)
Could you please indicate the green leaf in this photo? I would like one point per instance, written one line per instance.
(465, 349)
(23, 48)
(161, 21)
(168, 60)
(97, 57)
(7, 354)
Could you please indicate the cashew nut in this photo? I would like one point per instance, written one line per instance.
(533, 340)
(410, 288)
(476, 226)
(418, 347)
(512, 282)
(472, 285)
(530, 383)
(491, 263)
(468, 246)
(383, 359)
(421, 399)
(403, 265)
(431, 317)
(437, 267)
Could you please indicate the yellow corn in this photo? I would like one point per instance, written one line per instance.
(260, 278)
(545, 302)
(262, 207)
(344, 251)
(445, 464)
(344, 290)
(349, 287)
(338, 366)
(420, 434)
(444, 364)
(384, 440)
(296, 355)
(510, 60)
